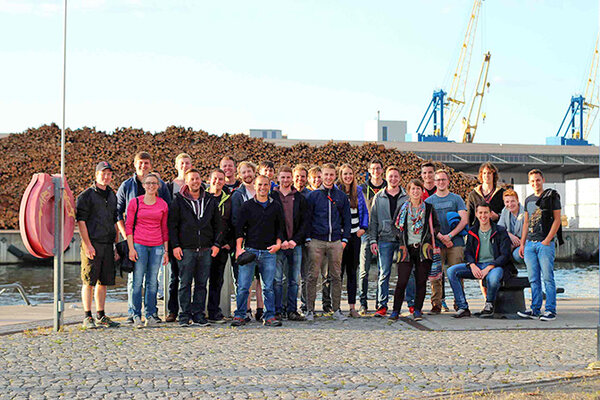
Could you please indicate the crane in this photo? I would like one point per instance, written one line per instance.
(469, 128)
(454, 99)
(583, 110)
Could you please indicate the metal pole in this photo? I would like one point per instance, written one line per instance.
(59, 185)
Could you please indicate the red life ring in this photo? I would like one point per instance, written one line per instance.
(36, 216)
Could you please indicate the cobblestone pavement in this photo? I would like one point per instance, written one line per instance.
(366, 358)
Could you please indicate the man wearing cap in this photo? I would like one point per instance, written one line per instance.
(97, 220)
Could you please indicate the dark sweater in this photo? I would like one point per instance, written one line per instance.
(99, 213)
(260, 226)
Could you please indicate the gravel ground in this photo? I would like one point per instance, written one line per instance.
(363, 359)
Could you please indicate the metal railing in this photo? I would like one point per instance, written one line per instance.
(4, 288)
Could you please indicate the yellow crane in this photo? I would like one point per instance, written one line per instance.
(469, 126)
(591, 95)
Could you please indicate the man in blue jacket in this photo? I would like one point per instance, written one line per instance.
(487, 257)
(128, 190)
(329, 209)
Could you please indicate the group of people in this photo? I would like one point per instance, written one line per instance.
(283, 232)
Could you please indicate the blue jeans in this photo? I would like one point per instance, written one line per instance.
(458, 272)
(385, 260)
(516, 257)
(146, 268)
(364, 267)
(540, 259)
(288, 263)
(194, 266)
(409, 294)
(267, 264)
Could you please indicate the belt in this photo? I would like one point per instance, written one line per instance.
(415, 245)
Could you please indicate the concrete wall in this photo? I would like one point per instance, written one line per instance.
(9, 237)
(396, 131)
(577, 240)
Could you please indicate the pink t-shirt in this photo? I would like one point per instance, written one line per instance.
(151, 226)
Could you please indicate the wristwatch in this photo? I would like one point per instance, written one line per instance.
(450, 236)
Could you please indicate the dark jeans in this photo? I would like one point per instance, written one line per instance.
(217, 269)
(422, 269)
(350, 265)
(195, 265)
(303, 277)
(366, 257)
(173, 305)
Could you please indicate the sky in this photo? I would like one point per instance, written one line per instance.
(316, 69)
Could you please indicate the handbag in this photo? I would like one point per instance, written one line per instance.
(124, 263)
(435, 273)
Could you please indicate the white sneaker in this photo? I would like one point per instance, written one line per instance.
(137, 322)
(338, 315)
(151, 321)
(310, 316)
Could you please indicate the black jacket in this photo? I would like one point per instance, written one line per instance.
(301, 217)
(426, 234)
(501, 248)
(100, 215)
(475, 197)
(545, 202)
(188, 231)
(224, 206)
(260, 226)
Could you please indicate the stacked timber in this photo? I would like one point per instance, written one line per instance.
(38, 150)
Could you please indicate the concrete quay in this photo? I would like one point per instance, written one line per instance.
(367, 358)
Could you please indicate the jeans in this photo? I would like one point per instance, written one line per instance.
(458, 272)
(411, 288)
(516, 257)
(288, 263)
(450, 256)
(130, 307)
(304, 276)
(267, 264)
(540, 260)
(386, 258)
(173, 304)
(326, 259)
(366, 258)
(146, 268)
(193, 266)
(217, 269)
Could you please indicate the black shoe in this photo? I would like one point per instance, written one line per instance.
(327, 310)
(130, 319)
(248, 317)
(488, 311)
(200, 320)
(294, 316)
(237, 321)
(462, 313)
(259, 314)
(218, 318)
(184, 322)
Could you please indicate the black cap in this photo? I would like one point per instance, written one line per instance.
(102, 165)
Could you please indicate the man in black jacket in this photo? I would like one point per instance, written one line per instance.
(97, 219)
(289, 258)
(487, 257)
(260, 224)
(195, 228)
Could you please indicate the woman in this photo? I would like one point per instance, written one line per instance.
(488, 191)
(147, 237)
(360, 221)
(512, 219)
(414, 224)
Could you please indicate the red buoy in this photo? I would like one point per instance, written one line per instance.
(36, 216)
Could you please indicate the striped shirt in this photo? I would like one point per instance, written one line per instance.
(354, 220)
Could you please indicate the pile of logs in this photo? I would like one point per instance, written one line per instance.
(38, 150)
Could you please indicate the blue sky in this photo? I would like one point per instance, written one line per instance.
(315, 69)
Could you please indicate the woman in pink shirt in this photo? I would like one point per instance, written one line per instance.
(147, 241)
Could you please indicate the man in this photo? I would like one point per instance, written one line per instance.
(195, 228)
(217, 269)
(227, 164)
(428, 178)
(267, 168)
(487, 258)
(97, 219)
(384, 243)
(183, 162)
(540, 227)
(260, 225)
(300, 174)
(315, 179)
(511, 218)
(246, 191)
(128, 190)
(329, 211)
(289, 258)
(448, 239)
(372, 186)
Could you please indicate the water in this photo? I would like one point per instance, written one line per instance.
(578, 279)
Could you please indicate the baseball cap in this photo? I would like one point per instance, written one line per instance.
(102, 165)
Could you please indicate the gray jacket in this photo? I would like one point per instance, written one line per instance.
(381, 219)
(504, 221)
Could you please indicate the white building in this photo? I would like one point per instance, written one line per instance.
(385, 131)
(266, 133)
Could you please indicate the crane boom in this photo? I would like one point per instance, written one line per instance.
(591, 95)
(470, 128)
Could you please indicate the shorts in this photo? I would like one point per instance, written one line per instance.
(102, 268)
